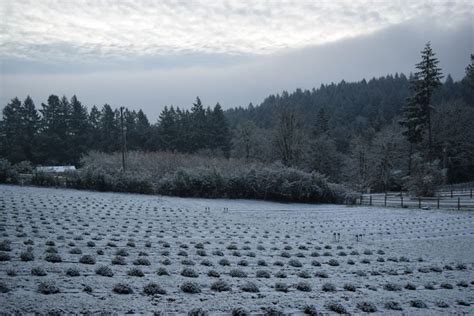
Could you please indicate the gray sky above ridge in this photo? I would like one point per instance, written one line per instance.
(146, 55)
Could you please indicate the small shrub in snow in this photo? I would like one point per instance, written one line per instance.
(278, 264)
(4, 257)
(350, 287)
(392, 287)
(121, 252)
(310, 310)
(75, 251)
(122, 288)
(418, 304)
(190, 287)
(321, 274)
(224, 262)
(304, 274)
(303, 286)
(190, 273)
(333, 263)
(87, 259)
(38, 271)
(281, 287)
(162, 271)
(249, 287)
(136, 272)
(328, 287)
(447, 286)
(198, 311)
(410, 286)
(262, 274)
(4, 288)
(336, 308)
(153, 289)
(141, 262)
(73, 272)
(367, 307)
(48, 287)
(295, 263)
(239, 311)
(462, 284)
(119, 260)
(104, 271)
(213, 274)
(220, 286)
(53, 257)
(280, 274)
(243, 263)
(393, 305)
(442, 304)
(236, 273)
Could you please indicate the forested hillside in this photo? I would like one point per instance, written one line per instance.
(350, 132)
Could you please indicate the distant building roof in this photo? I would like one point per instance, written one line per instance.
(57, 169)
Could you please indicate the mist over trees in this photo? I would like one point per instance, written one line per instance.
(370, 134)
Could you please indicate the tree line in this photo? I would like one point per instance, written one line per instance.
(374, 134)
(63, 129)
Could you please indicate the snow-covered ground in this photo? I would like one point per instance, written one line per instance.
(432, 250)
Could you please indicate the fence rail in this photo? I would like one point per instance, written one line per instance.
(452, 199)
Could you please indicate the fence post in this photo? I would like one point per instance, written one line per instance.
(451, 193)
(419, 202)
(438, 202)
(361, 197)
(401, 199)
(370, 201)
(459, 203)
(385, 200)
(471, 193)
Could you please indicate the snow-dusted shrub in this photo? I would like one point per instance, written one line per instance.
(141, 262)
(4, 256)
(249, 287)
(418, 304)
(153, 289)
(236, 273)
(393, 305)
(190, 273)
(87, 259)
(162, 271)
(122, 288)
(38, 271)
(303, 286)
(104, 271)
(281, 287)
(73, 272)
(239, 311)
(136, 272)
(48, 287)
(367, 307)
(190, 287)
(336, 308)
(53, 257)
(220, 286)
(328, 287)
(262, 274)
(213, 274)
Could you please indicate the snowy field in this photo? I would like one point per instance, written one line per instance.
(80, 251)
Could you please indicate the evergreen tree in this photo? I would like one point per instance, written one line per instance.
(94, 124)
(30, 128)
(143, 131)
(427, 79)
(470, 72)
(198, 127)
(54, 133)
(79, 130)
(109, 129)
(11, 131)
(322, 123)
(220, 137)
(167, 129)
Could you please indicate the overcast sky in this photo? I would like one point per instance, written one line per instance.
(147, 54)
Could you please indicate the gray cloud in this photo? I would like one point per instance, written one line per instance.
(238, 82)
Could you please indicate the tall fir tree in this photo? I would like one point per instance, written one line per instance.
(11, 131)
(220, 137)
(79, 130)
